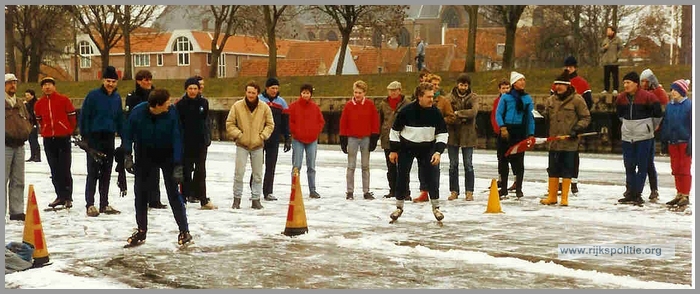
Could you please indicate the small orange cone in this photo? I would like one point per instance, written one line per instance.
(296, 214)
(33, 232)
(494, 205)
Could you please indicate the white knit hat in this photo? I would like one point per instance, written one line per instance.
(515, 76)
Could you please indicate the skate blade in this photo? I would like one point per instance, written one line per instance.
(56, 208)
(129, 245)
(439, 223)
(393, 221)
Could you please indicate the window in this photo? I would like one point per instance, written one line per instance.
(141, 60)
(238, 63)
(311, 36)
(208, 59)
(182, 47)
(332, 36)
(85, 52)
(450, 17)
(500, 49)
(222, 65)
(159, 59)
(404, 38)
(634, 47)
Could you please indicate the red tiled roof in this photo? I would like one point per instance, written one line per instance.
(146, 42)
(234, 44)
(437, 57)
(368, 59)
(323, 50)
(285, 67)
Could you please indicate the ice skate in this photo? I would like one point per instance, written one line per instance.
(184, 238)
(396, 214)
(136, 239)
(438, 214)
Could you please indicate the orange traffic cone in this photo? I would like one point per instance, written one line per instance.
(296, 215)
(494, 205)
(33, 232)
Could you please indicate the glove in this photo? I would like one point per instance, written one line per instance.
(573, 135)
(373, 142)
(177, 174)
(504, 133)
(129, 163)
(689, 149)
(344, 144)
(287, 144)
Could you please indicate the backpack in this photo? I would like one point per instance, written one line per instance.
(17, 125)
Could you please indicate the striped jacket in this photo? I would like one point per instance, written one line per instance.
(640, 115)
(418, 128)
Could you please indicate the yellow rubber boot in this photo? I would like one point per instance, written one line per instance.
(565, 186)
(552, 196)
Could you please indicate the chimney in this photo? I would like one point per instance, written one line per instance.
(205, 24)
(444, 28)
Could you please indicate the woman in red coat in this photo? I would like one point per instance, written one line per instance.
(305, 124)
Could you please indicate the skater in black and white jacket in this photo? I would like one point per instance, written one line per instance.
(420, 132)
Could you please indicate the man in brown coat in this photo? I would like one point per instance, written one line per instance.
(388, 109)
(567, 114)
(249, 124)
(462, 135)
(17, 130)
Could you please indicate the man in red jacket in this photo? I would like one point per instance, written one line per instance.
(305, 124)
(503, 87)
(55, 115)
(359, 130)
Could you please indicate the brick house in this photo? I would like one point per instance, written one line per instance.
(177, 54)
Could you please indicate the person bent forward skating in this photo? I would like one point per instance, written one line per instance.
(419, 132)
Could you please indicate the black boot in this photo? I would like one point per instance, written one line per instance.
(184, 238)
(236, 203)
(137, 237)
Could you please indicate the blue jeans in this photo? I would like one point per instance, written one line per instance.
(298, 150)
(636, 157)
(453, 153)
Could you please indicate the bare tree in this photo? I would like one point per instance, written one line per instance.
(10, 10)
(654, 24)
(473, 12)
(686, 54)
(36, 34)
(508, 16)
(130, 18)
(99, 22)
(346, 17)
(226, 22)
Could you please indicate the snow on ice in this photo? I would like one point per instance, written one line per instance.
(351, 244)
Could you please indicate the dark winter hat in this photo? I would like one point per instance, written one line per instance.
(632, 76)
(272, 82)
(570, 61)
(191, 81)
(110, 73)
(563, 78)
(681, 86)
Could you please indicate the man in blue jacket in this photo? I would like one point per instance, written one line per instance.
(279, 108)
(154, 130)
(101, 116)
(516, 122)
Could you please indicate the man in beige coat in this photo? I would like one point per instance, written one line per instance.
(567, 114)
(249, 124)
(610, 49)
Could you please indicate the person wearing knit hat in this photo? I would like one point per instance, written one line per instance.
(193, 111)
(516, 76)
(101, 116)
(677, 131)
(649, 82)
(610, 47)
(582, 88)
(57, 116)
(271, 97)
(516, 122)
(388, 109)
(640, 113)
(561, 121)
